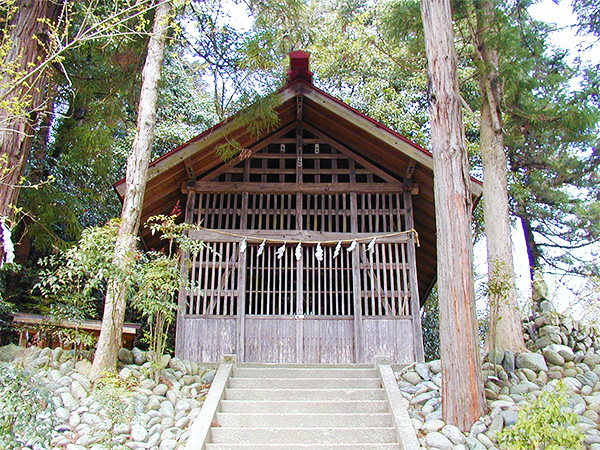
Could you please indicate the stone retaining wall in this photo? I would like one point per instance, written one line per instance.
(561, 349)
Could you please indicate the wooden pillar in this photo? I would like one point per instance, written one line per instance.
(184, 274)
(419, 351)
(299, 264)
(358, 334)
(241, 290)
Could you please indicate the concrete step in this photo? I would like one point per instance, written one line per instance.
(359, 446)
(268, 371)
(297, 435)
(304, 394)
(304, 383)
(278, 420)
(305, 406)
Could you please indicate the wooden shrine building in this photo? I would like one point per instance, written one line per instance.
(271, 286)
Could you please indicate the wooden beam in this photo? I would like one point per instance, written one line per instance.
(352, 154)
(189, 169)
(410, 170)
(278, 236)
(415, 303)
(291, 188)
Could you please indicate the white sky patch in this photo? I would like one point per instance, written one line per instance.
(566, 37)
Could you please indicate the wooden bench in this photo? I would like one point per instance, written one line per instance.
(32, 330)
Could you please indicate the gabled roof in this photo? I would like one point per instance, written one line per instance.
(370, 142)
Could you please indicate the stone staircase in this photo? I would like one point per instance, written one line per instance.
(303, 407)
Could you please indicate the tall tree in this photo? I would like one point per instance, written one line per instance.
(463, 400)
(505, 330)
(35, 36)
(24, 40)
(109, 341)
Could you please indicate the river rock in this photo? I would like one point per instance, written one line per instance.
(138, 432)
(139, 357)
(423, 371)
(532, 361)
(433, 425)
(171, 444)
(509, 416)
(160, 390)
(485, 440)
(62, 413)
(69, 401)
(75, 447)
(178, 365)
(496, 425)
(454, 434)
(474, 444)
(591, 359)
(435, 366)
(209, 376)
(438, 440)
(564, 351)
(553, 357)
(421, 398)
(84, 367)
(125, 356)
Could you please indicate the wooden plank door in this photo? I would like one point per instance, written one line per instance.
(271, 318)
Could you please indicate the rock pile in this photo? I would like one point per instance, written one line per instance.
(562, 349)
(134, 411)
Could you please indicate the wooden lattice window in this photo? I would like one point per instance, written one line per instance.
(380, 213)
(384, 280)
(327, 284)
(271, 286)
(213, 280)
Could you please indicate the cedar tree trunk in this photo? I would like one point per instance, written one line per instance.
(110, 340)
(25, 32)
(505, 329)
(463, 400)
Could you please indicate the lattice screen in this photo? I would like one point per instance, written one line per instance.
(214, 280)
(384, 280)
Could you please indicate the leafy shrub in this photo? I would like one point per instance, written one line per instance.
(72, 281)
(27, 411)
(159, 279)
(544, 425)
(115, 394)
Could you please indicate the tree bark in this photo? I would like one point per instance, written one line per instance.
(463, 400)
(110, 339)
(26, 28)
(505, 330)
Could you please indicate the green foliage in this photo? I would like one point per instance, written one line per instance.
(259, 117)
(229, 150)
(71, 283)
(115, 394)
(27, 411)
(185, 107)
(74, 280)
(76, 275)
(588, 13)
(498, 284)
(544, 425)
(430, 321)
(159, 279)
